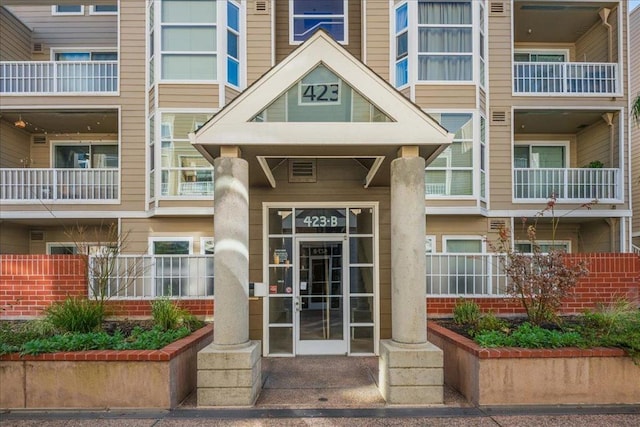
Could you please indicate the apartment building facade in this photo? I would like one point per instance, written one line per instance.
(509, 113)
(634, 60)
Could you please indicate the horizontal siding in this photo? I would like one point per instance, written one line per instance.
(15, 38)
(377, 37)
(445, 96)
(635, 127)
(14, 146)
(79, 31)
(259, 42)
(139, 231)
(15, 238)
(188, 95)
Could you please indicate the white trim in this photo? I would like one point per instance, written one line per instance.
(543, 143)
(430, 238)
(54, 10)
(203, 242)
(153, 239)
(469, 237)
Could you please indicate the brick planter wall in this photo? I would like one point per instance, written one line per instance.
(30, 283)
(611, 276)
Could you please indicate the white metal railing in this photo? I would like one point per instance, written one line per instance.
(635, 249)
(31, 184)
(565, 78)
(153, 276)
(465, 275)
(567, 184)
(52, 77)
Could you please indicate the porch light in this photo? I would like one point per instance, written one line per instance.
(20, 123)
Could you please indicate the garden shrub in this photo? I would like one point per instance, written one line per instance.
(167, 315)
(76, 314)
(466, 313)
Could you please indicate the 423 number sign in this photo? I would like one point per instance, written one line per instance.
(319, 93)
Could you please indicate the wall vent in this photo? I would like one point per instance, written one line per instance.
(499, 117)
(497, 224)
(302, 170)
(38, 139)
(261, 7)
(36, 236)
(497, 8)
(37, 48)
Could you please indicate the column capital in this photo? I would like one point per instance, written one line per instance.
(408, 151)
(230, 151)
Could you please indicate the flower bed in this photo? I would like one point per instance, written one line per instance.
(516, 376)
(103, 378)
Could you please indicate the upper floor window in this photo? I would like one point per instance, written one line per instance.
(188, 40)
(104, 9)
(67, 9)
(233, 44)
(540, 56)
(402, 44)
(445, 40)
(307, 16)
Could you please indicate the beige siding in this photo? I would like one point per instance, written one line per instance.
(440, 226)
(283, 48)
(186, 204)
(14, 146)
(188, 95)
(79, 31)
(377, 37)
(15, 38)
(445, 96)
(230, 94)
(259, 41)
(597, 236)
(140, 230)
(14, 238)
(634, 26)
(594, 144)
(593, 45)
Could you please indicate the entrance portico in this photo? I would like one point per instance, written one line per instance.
(339, 282)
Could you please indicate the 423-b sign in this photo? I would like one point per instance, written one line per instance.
(320, 93)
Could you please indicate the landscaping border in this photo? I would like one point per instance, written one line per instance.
(99, 379)
(519, 376)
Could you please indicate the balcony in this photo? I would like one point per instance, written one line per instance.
(565, 78)
(31, 185)
(58, 78)
(567, 185)
(465, 275)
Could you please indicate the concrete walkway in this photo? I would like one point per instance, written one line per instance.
(332, 391)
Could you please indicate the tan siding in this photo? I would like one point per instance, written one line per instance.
(446, 96)
(283, 48)
(196, 204)
(593, 143)
(459, 225)
(634, 34)
(140, 230)
(377, 37)
(14, 238)
(593, 45)
(15, 38)
(596, 236)
(188, 96)
(69, 31)
(259, 42)
(230, 94)
(14, 146)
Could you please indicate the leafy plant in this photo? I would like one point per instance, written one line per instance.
(167, 315)
(596, 164)
(76, 314)
(466, 313)
(491, 322)
(529, 336)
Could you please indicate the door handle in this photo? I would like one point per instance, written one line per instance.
(297, 303)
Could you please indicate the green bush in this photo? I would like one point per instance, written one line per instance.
(167, 315)
(76, 314)
(466, 313)
(491, 322)
(530, 336)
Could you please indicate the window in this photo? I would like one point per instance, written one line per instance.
(545, 246)
(172, 270)
(539, 170)
(539, 156)
(79, 56)
(152, 42)
(483, 157)
(188, 40)
(467, 274)
(85, 156)
(482, 43)
(207, 247)
(184, 172)
(308, 16)
(540, 56)
(65, 9)
(451, 173)
(445, 40)
(233, 44)
(104, 9)
(61, 249)
(402, 45)
(152, 157)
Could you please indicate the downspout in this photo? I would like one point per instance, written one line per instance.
(604, 16)
(608, 118)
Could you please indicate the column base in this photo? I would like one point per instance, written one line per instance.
(411, 374)
(229, 377)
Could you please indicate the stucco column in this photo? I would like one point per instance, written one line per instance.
(408, 302)
(231, 261)
(229, 368)
(411, 370)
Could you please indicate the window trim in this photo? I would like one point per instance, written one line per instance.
(92, 10)
(203, 241)
(345, 23)
(55, 12)
(430, 238)
(153, 239)
(566, 52)
(89, 50)
(80, 143)
(538, 143)
(471, 237)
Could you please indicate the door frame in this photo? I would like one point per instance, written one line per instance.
(374, 206)
(321, 347)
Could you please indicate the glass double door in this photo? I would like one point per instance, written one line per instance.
(319, 296)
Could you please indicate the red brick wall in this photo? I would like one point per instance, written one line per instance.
(611, 276)
(30, 283)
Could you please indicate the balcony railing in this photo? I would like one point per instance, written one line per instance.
(55, 78)
(565, 78)
(50, 185)
(465, 275)
(567, 184)
(152, 276)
